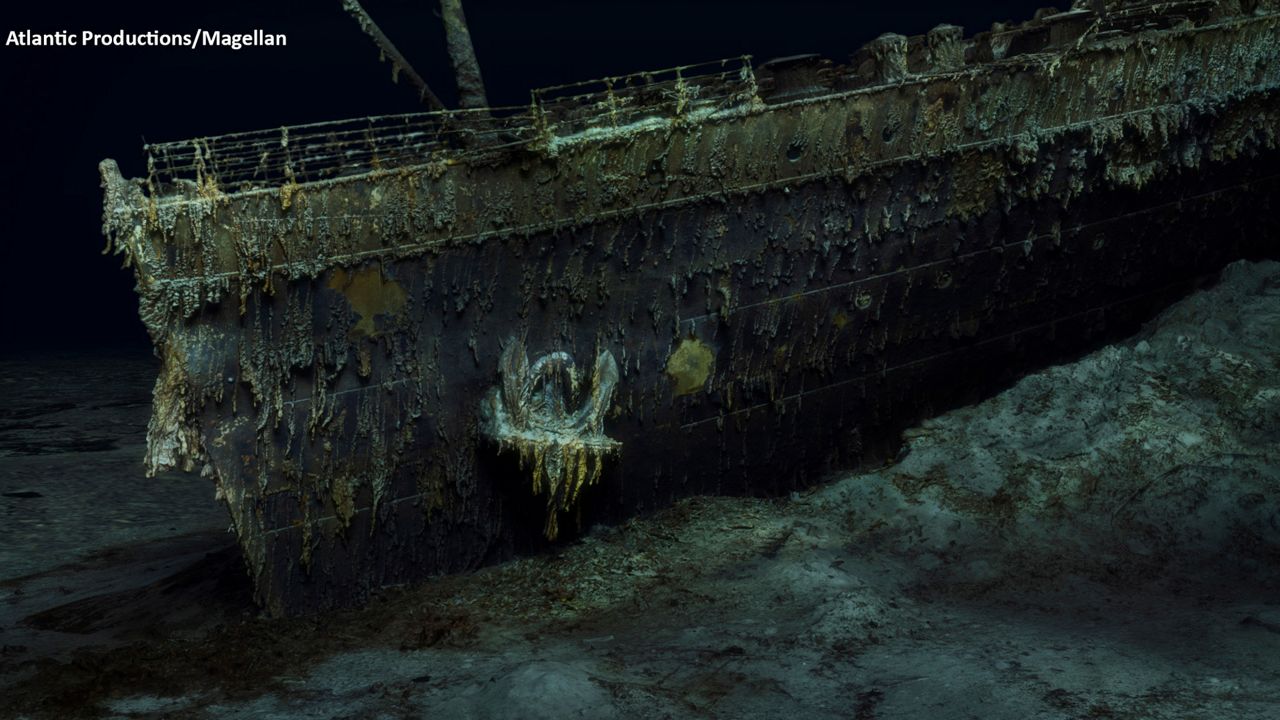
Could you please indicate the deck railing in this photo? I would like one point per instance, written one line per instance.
(317, 151)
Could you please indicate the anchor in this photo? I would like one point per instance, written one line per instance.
(554, 418)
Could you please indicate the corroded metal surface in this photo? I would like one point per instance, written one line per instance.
(532, 413)
(787, 265)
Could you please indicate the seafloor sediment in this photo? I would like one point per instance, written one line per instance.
(1100, 540)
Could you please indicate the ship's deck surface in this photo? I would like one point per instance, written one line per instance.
(593, 110)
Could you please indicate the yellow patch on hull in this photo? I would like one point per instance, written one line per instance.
(370, 295)
(690, 366)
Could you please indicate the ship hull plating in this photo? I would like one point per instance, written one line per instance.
(867, 339)
(782, 292)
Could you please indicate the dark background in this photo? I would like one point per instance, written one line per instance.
(66, 108)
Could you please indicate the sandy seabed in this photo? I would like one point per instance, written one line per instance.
(1101, 540)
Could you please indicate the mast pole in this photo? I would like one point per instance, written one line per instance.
(465, 67)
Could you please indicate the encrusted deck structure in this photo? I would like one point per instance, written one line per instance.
(411, 345)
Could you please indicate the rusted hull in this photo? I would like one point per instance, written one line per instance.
(772, 315)
(800, 383)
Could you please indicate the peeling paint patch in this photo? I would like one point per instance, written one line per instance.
(370, 295)
(690, 366)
